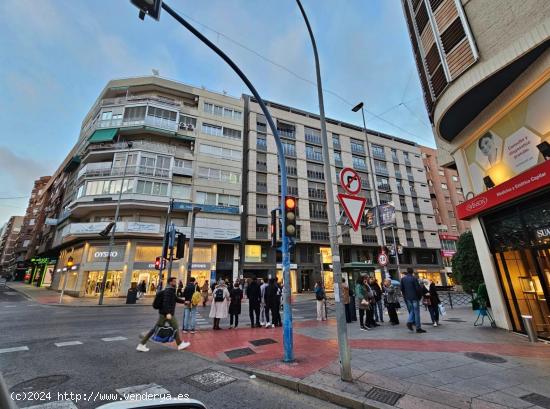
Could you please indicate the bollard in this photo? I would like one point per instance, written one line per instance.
(450, 300)
(529, 328)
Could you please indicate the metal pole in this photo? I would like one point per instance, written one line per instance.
(396, 253)
(113, 230)
(194, 211)
(287, 314)
(323, 283)
(171, 244)
(374, 188)
(342, 328)
(63, 289)
(166, 223)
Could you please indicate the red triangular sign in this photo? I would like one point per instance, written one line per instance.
(354, 207)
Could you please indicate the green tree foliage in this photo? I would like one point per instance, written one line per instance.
(466, 267)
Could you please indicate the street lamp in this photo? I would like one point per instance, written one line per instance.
(113, 228)
(376, 202)
(342, 328)
(194, 212)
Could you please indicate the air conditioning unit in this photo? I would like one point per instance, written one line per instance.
(190, 127)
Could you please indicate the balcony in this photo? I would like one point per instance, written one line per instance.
(407, 224)
(400, 189)
(311, 174)
(312, 138)
(369, 239)
(261, 166)
(261, 145)
(394, 159)
(316, 194)
(379, 155)
(407, 161)
(290, 190)
(80, 229)
(141, 171)
(150, 121)
(261, 187)
(338, 163)
(381, 171)
(383, 187)
(319, 236)
(318, 215)
(289, 151)
(398, 175)
(410, 177)
(410, 242)
(286, 133)
(261, 209)
(419, 225)
(423, 243)
(316, 156)
(416, 209)
(358, 149)
(413, 193)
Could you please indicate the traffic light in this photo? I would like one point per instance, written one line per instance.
(149, 7)
(70, 263)
(290, 216)
(157, 263)
(105, 232)
(165, 245)
(180, 245)
(274, 228)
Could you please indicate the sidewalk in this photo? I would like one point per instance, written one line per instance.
(46, 296)
(455, 365)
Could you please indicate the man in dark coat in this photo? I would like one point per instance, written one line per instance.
(254, 297)
(412, 293)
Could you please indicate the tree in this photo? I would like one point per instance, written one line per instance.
(466, 265)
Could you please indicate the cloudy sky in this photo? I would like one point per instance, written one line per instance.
(57, 55)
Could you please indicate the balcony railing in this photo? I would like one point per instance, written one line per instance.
(369, 239)
(400, 189)
(384, 187)
(419, 225)
(379, 155)
(413, 193)
(358, 149)
(311, 174)
(381, 171)
(423, 243)
(141, 170)
(317, 156)
(289, 151)
(410, 242)
(313, 138)
(316, 194)
(398, 175)
(261, 166)
(287, 133)
(261, 187)
(395, 159)
(410, 177)
(319, 236)
(261, 145)
(261, 209)
(338, 163)
(148, 120)
(406, 223)
(314, 214)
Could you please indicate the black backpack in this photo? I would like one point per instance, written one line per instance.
(218, 295)
(159, 298)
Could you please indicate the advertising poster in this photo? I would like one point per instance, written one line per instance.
(509, 147)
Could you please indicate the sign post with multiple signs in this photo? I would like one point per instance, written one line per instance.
(353, 205)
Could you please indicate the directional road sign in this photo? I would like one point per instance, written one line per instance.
(350, 181)
(354, 207)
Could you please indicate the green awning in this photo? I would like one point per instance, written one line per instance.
(103, 135)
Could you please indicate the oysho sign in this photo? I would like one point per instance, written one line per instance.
(101, 253)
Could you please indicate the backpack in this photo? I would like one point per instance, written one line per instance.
(159, 299)
(218, 295)
(320, 295)
(196, 298)
(164, 333)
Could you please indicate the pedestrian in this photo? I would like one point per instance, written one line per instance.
(204, 293)
(273, 303)
(236, 295)
(190, 308)
(142, 289)
(167, 308)
(254, 300)
(352, 308)
(279, 305)
(379, 305)
(220, 302)
(391, 300)
(431, 300)
(180, 289)
(362, 302)
(320, 297)
(264, 311)
(369, 313)
(346, 300)
(412, 293)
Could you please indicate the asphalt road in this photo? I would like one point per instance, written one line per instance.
(95, 357)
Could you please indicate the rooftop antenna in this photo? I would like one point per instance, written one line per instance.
(156, 72)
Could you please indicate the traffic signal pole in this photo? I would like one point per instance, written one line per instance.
(342, 328)
(287, 311)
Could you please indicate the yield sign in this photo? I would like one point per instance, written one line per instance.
(354, 207)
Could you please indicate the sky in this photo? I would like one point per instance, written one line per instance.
(57, 55)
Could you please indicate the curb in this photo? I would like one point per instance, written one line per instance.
(323, 392)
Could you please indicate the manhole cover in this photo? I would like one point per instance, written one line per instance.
(209, 380)
(536, 399)
(454, 320)
(40, 383)
(263, 341)
(238, 353)
(383, 395)
(478, 356)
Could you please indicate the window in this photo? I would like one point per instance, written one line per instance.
(181, 191)
(187, 122)
(132, 114)
(357, 146)
(315, 171)
(217, 199)
(314, 153)
(261, 225)
(261, 142)
(444, 186)
(335, 140)
(207, 198)
(106, 187)
(316, 190)
(261, 182)
(385, 198)
(359, 162)
(105, 116)
(222, 111)
(219, 175)
(312, 135)
(261, 204)
(378, 151)
(338, 158)
(216, 130)
(147, 187)
(318, 210)
(162, 113)
(394, 154)
(261, 161)
(220, 152)
(382, 183)
(231, 133)
(183, 163)
(380, 167)
(319, 232)
(289, 148)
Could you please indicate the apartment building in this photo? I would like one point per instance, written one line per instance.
(156, 140)
(8, 241)
(399, 178)
(446, 193)
(485, 72)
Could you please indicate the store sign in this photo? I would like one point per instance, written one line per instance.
(144, 266)
(200, 266)
(530, 181)
(326, 255)
(214, 229)
(100, 253)
(543, 233)
(252, 253)
(444, 236)
(509, 147)
(43, 260)
(448, 253)
(387, 214)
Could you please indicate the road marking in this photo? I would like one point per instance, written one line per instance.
(15, 349)
(113, 339)
(60, 404)
(10, 306)
(68, 343)
(150, 388)
(11, 293)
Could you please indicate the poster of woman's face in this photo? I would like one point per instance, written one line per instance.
(489, 150)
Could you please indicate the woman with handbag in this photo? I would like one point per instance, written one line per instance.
(431, 300)
(362, 301)
(371, 297)
(392, 301)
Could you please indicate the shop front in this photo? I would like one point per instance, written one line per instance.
(94, 280)
(93, 270)
(42, 271)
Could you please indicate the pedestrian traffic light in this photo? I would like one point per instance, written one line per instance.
(149, 7)
(180, 245)
(290, 216)
(274, 228)
(158, 263)
(165, 245)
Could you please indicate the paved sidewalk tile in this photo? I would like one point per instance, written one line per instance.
(503, 398)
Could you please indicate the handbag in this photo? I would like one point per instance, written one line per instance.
(442, 310)
(426, 301)
(365, 302)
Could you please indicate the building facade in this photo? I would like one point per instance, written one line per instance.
(446, 193)
(157, 140)
(485, 73)
(399, 177)
(8, 242)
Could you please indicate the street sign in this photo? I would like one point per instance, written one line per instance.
(350, 181)
(382, 259)
(354, 207)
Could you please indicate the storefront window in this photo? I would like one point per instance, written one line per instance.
(151, 278)
(112, 285)
(147, 253)
(434, 277)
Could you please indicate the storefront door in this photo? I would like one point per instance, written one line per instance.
(112, 285)
(151, 278)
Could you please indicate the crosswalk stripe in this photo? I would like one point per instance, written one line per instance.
(113, 339)
(60, 404)
(15, 349)
(147, 389)
(10, 306)
(67, 343)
